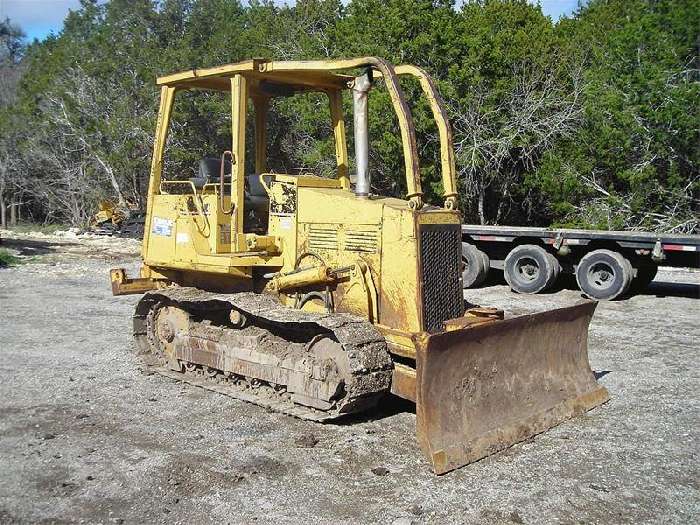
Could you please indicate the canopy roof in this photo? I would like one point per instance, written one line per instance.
(272, 78)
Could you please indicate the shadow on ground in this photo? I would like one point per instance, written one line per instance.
(390, 405)
(665, 289)
(568, 282)
(28, 248)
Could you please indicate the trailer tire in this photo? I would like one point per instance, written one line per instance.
(530, 269)
(475, 264)
(604, 275)
(645, 274)
(557, 270)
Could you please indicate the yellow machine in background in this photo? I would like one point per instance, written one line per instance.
(314, 298)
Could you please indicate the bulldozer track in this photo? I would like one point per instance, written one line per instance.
(370, 363)
(226, 388)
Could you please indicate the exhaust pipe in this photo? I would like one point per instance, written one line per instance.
(360, 91)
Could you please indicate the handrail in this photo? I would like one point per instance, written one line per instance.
(447, 154)
(222, 170)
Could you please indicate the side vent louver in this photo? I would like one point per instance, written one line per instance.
(336, 238)
(361, 241)
(323, 239)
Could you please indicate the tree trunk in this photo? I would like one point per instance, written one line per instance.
(3, 213)
(482, 217)
(13, 213)
(115, 185)
(502, 203)
(499, 211)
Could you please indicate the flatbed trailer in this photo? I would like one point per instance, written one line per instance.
(607, 264)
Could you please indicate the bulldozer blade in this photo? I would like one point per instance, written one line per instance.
(484, 388)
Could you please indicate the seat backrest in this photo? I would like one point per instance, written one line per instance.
(210, 168)
(255, 187)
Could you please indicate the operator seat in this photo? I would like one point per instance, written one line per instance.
(256, 201)
(256, 206)
(209, 172)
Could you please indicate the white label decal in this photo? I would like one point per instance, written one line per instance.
(285, 223)
(162, 226)
(182, 238)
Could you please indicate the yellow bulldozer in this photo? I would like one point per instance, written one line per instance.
(314, 297)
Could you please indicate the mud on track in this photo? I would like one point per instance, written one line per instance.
(86, 436)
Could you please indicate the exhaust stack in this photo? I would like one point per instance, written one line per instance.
(360, 91)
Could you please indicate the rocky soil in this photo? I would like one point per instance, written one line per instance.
(86, 436)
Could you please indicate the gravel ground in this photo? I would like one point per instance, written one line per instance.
(86, 436)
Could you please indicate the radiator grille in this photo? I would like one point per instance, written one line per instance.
(441, 255)
(361, 241)
(323, 239)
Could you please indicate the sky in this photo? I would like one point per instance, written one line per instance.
(38, 18)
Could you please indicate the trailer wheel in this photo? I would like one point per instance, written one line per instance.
(475, 266)
(557, 270)
(645, 274)
(530, 269)
(604, 275)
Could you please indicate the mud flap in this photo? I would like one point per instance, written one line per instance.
(484, 388)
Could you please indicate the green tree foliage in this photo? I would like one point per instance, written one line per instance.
(11, 53)
(635, 160)
(590, 121)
